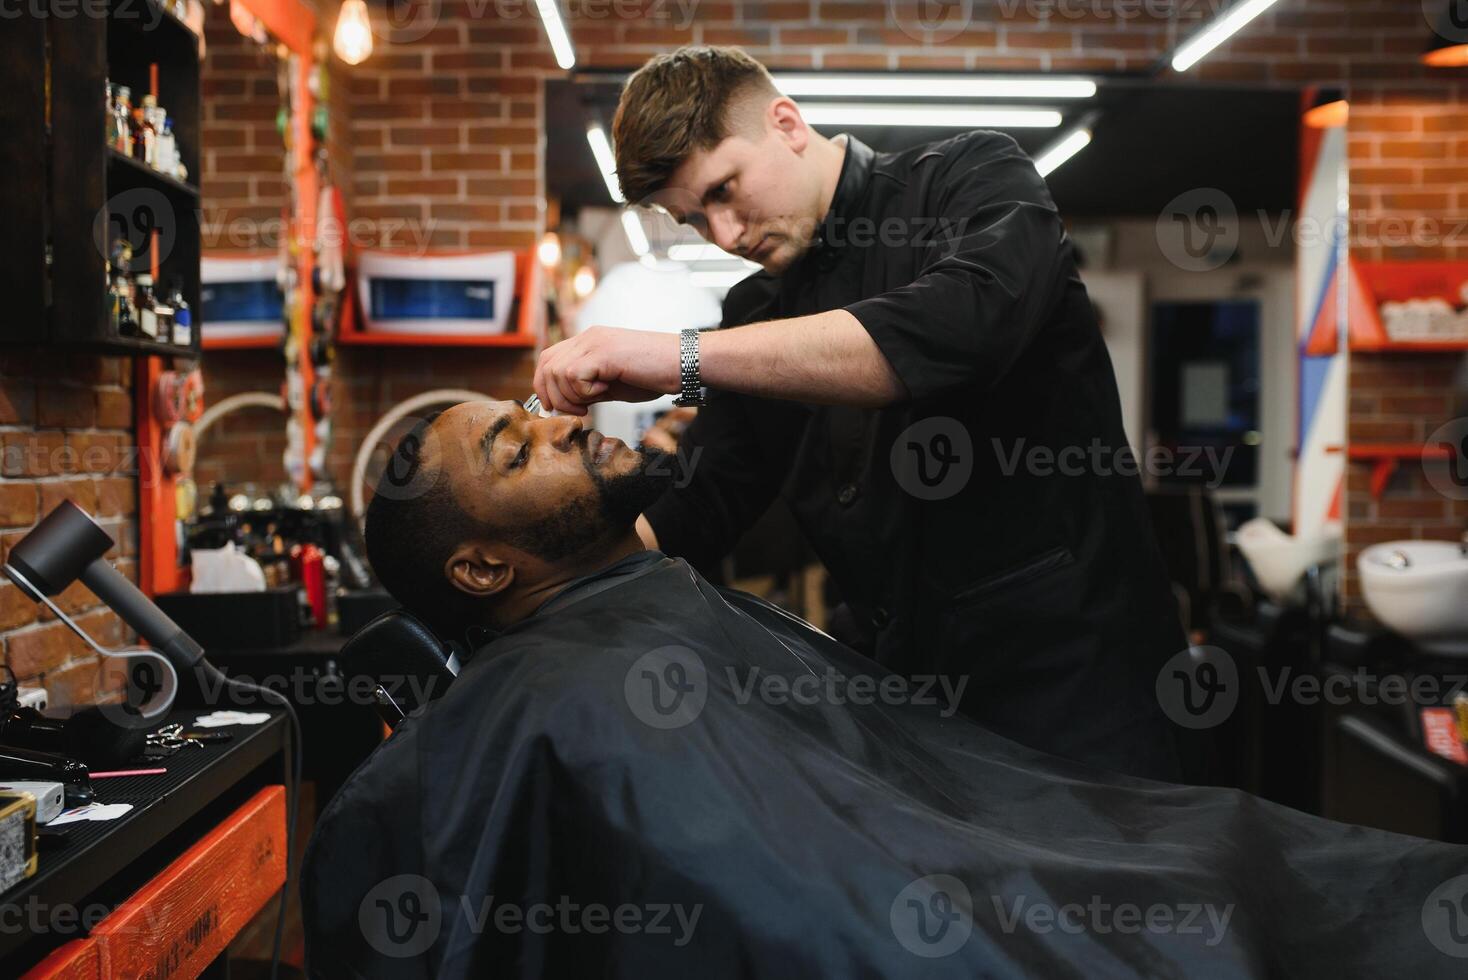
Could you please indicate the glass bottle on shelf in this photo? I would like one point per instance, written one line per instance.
(183, 317)
(111, 119)
(147, 315)
(167, 149)
(123, 109)
(149, 131)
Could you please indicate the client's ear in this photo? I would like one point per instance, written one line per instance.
(473, 569)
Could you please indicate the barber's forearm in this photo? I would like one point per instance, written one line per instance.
(827, 358)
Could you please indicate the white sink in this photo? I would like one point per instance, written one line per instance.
(1277, 559)
(1426, 598)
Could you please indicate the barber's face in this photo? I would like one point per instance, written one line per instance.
(549, 485)
(754, 195)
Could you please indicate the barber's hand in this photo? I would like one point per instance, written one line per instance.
(607, 364)
(667, 431)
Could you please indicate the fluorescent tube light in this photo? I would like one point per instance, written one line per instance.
(1225, 27)
(636, 234)
(555, 32)
(1053, 156)
(601, 148)
(935, 87)
(966, 117)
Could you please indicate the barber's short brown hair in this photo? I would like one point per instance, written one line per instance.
(675, 105)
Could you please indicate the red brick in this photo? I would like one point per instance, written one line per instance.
(16, 608)
(18, 504)
(63, 406)
(33, 651)
(114, 410)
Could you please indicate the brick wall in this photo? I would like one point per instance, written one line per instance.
(1408, 154)
(446, 126)
(66, 424)
(445, 119)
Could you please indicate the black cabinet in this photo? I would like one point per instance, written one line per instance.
(67, 195)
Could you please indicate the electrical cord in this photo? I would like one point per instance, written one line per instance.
(208, 671)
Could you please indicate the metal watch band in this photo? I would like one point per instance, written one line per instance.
(691, 391)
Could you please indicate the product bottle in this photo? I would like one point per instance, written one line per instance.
(167, 149)
(148, 114)
(127, 324)
(111, 117)
(183, 318)
(147, 316)
(124, 110)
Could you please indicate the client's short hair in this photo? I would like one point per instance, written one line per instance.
(413, 525)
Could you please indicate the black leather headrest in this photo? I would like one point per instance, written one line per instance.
(404, 656)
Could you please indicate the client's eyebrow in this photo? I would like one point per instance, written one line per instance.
(486, 442)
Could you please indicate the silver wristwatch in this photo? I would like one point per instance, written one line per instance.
(691, 392)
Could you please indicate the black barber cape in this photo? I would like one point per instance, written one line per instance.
(602, 793)
(992, 523)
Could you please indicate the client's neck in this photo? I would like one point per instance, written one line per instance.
(524, 599)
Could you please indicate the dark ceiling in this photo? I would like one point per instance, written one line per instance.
(1151, 143)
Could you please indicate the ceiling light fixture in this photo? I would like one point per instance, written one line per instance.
(1225, 27)
(601, 148)
(555, 32)
(935, 87)
(636, 234)
(968, 117)
(1068, 146)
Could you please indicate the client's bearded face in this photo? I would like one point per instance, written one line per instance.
(545, 486)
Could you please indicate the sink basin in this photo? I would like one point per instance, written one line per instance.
(1425, 599)
(1278, 559)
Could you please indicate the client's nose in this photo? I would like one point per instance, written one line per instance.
(564, 431)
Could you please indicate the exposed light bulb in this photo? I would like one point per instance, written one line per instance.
(549, 251)
(583, 282)
(353, 38)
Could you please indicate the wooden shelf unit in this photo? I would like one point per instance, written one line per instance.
(68, 195)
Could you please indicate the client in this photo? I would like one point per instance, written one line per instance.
(640, 775)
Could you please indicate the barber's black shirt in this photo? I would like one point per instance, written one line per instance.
(991, 523)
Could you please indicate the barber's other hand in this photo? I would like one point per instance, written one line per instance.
(607, 364)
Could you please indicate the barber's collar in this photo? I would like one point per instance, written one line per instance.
(851, 188)
(573, 591)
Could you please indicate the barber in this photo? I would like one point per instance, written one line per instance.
(918, 371)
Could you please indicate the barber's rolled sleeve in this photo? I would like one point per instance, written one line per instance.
(989, 277)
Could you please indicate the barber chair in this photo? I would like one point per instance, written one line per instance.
(407, 663)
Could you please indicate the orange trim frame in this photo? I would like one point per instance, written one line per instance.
(293, 24)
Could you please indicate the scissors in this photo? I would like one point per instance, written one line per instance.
(532, 405)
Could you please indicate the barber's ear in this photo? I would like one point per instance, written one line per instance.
(783, 115)
(474, 570)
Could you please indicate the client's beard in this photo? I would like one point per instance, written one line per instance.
(619, 499)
